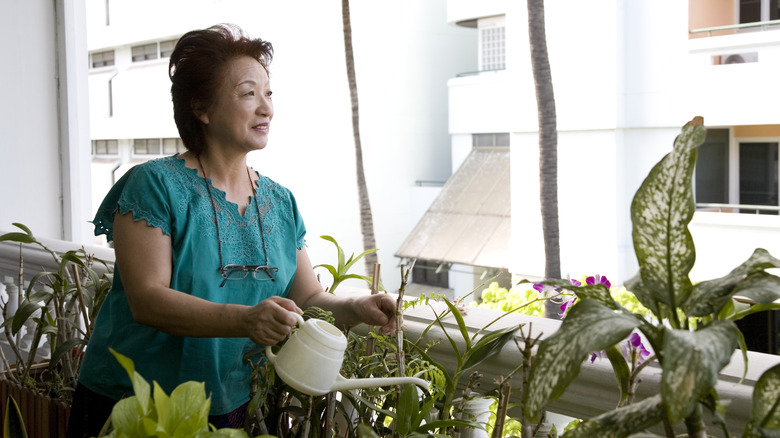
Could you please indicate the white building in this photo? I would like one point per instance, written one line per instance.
(404, 54)
(627, 76)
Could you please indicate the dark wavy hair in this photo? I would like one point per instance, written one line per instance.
(197, 68)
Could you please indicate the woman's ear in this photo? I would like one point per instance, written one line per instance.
(200, 111)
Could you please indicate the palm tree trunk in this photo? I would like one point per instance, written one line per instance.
(548, 138)
(366, 218)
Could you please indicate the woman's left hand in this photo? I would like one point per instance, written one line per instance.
(378, 309)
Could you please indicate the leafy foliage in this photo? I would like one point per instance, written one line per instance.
(691, 329)
(60, 306)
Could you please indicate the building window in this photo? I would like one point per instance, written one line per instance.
(491, 47)
(744, 173)
(102, 59)
(144, 52)
(166, 48)
(431, 273)
(753, 11)
(172, 145)
(490, 140)
(105, 147)
(146, 146)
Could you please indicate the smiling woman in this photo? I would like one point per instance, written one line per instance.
(184, 225)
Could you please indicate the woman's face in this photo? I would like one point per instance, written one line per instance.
(241, 114)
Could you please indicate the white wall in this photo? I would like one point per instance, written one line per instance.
(404, 54)
(45, 177)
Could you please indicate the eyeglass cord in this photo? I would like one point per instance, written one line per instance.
(216, 218)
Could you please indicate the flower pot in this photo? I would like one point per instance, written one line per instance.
(43, 416)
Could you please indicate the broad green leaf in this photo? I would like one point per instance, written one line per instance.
(126, 416)
(710, 296)
(642, 294)
(13, 425)
(621, 422)
(408, 407)
(188, 409)
(660, 212)
(141, 387)
(761, 287)
(589, 327)
(692, 361)
(766, 400)
(487, 346)
(161, 405)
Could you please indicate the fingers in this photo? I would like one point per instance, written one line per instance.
(379, 310)
(270, 321)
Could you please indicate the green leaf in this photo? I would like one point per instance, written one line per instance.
(660, 212)
(710, 296)
(589, 327)
(188, 409)
(621, 422)
(17, 237)
(13, 426)
(141, 387)
(692, 361)
(622, 372)
(761, 287)
(126, 416)
(22, 315)
(766, 400)
(161, 405)
(643, 294)
(408, 408)
(487, 346)
(66, 348)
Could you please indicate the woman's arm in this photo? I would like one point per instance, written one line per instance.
(144, 259)
(306, 291)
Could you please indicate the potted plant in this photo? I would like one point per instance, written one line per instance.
(691, 331)
(50, 316)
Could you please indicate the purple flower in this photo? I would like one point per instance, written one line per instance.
(598, 354)
(543, 288)
(573, 281)
(565, 307)
(598, 279)
(635, 349)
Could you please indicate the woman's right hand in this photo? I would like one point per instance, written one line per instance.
(270, 321)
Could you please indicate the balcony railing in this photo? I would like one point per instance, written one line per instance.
(593, 392)
(758, 25)
(737, 208)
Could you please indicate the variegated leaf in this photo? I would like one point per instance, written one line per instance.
(692, 361)
(710, 296)
(761, 287)
(589, 327)
(642, 294)
(660, 212)
(766, 401)
(621, 422)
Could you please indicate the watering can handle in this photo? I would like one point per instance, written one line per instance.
(268, 353)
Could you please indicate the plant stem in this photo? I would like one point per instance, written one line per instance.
(695, 424)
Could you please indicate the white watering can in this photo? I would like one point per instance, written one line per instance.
(311, 359)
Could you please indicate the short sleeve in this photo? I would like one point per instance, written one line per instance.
(141, 191)
(300, 228)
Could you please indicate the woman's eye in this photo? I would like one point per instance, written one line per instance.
(268, 94)
(251, 93)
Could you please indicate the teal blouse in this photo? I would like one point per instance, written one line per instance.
(174, 198)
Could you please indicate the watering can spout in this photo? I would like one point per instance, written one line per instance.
(343, 384)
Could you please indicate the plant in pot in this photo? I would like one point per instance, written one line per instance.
(692, 331)
(51, 316)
